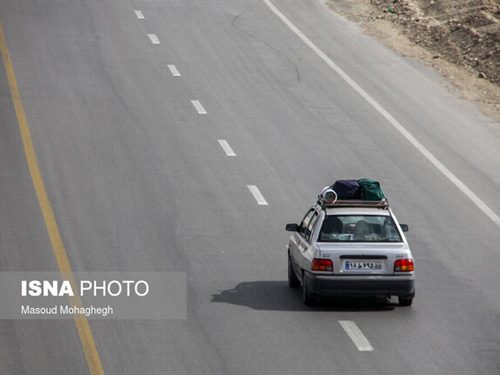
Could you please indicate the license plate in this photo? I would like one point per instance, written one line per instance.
(363, 265)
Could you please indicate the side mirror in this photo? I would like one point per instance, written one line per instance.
(404, 227)
(292, 227)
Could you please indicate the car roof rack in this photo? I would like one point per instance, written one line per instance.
(328, 199)
(356, 203)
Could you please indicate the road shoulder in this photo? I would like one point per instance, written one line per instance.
(464, 79)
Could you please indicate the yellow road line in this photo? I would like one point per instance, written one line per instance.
(82, 324)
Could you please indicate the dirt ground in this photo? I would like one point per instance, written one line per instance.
(458, 38)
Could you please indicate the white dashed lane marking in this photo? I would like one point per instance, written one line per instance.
(356, 335)
(174, 70)
(197, 105)
(226, 147)
(261, 201)
(154, 39)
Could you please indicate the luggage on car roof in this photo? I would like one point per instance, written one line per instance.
(363, 189)
(370, 190)
(347, 189)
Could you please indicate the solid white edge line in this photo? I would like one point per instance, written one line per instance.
(405, 133)
(173, 69)
(154, 39)
(139, 14)
(261, 201)
(226, 147)
(356, 335)
(197, 105)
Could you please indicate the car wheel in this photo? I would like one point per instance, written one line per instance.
(405, 300)
(293, 280)
(307, 297)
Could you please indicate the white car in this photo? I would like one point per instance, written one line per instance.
(350, 247)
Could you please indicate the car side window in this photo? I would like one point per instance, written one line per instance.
(305, 222)
(310, 227)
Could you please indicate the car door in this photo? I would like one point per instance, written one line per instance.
(296, 242)
(306, 248)
(299, 245)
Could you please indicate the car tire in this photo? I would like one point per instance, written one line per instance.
(405, 300)
(293, 280)
(307, 297)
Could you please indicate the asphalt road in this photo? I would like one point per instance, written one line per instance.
(139, 182)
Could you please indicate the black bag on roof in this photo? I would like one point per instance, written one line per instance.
(347, 189)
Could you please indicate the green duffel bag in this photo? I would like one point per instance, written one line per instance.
(370, 190)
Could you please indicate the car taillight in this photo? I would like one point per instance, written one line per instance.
(404, 265)
(322, 265)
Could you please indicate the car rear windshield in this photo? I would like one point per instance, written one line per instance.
(359, 228)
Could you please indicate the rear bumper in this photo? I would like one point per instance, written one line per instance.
(360, 286)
